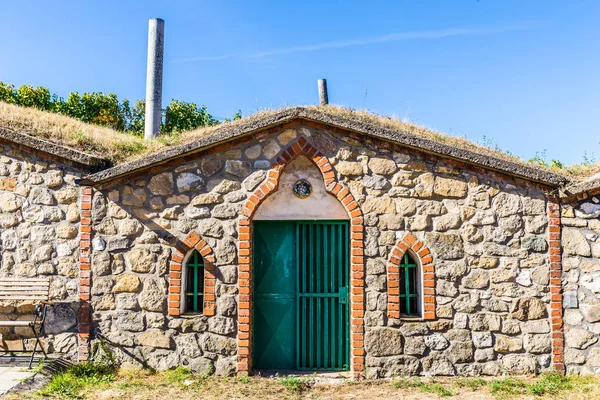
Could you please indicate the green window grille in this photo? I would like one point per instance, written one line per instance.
(194, 283)
(409, 287)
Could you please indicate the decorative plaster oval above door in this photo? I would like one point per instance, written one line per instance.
(285, 205)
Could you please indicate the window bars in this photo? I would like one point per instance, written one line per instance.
(194, 283)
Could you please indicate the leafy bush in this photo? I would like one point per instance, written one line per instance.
(182, 116)
(137, 116)
(35, 97)
(107, 110)
(8, 93)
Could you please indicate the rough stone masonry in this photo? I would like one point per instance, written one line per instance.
(39, 224)
(516, 269)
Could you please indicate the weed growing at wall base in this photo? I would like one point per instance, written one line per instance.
(295, 384)
(77, 378)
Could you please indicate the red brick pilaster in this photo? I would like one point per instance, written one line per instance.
(427, 271)
(192, 241)
(85, 245)
(357, 282)
(556, 296)
(244, 335)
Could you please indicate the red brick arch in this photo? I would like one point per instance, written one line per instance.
(427, 270)
(178, 254)
(357, 282)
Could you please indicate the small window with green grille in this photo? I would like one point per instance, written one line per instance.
(194, 284)
(410, 303)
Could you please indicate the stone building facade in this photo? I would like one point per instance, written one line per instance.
(484, 234)
(581, 279)
(39, 233)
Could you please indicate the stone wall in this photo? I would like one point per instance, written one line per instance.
(39, 220)
(581, 285)
(487, 233)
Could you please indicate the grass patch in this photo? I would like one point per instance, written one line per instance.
(294, 384)
(406, 383)
(507, 386)
(425, 387)
(436, 388)
(72, 382)
(177, 375)
(185, 378)
(134, 379)
(92, 382)
(473, 384)
(549, 383)
(131, 385)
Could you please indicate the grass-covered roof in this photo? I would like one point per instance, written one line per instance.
(119, 147)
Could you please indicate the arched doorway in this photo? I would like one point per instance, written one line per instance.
(260, 196)
(301, 275)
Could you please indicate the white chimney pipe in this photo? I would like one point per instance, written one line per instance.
(154, 75)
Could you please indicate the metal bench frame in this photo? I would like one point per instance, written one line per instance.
(19, 289)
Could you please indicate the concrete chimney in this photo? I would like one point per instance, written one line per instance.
(323, 96)
(154, 76)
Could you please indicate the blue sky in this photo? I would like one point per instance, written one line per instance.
(524, 74)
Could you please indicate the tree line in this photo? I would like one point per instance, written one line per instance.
(107, 110)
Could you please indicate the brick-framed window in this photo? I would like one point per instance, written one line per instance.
(192, 301)
(179, 257)
(411, 259)
(357, 272)
(410, 291)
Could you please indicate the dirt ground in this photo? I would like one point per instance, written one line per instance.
(181, 385)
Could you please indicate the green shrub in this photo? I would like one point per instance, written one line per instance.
(181, 116)
(8, 93)
(36, 97)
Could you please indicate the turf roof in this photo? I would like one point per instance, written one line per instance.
(128, 153)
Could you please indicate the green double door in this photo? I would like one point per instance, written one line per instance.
(301, 313)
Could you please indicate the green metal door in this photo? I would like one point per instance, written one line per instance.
(322, 275)
(274, 295)
(301, 313)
